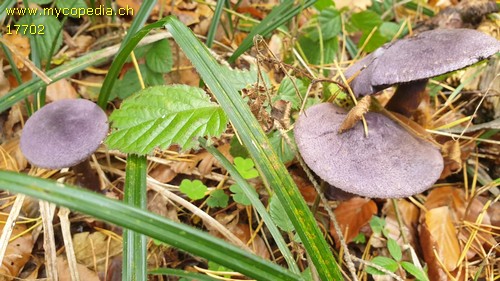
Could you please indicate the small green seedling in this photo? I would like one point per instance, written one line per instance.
(239, 196)
(193, 189)
(246, 167)
(218, 198)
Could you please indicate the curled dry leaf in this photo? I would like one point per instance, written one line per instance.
(452, 158)
(18, 251)
(439, 242)
(352, 215)
(92, 249)
(355, 114)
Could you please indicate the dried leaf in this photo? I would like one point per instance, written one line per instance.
(61, 89)
(353, 214)
(95, 247)
(355, 114)
(21, 44)
(11, 157)
(18, 251)
(162, 173)
(409, 215)
(439, 241)
(64, 272)
(4, 82)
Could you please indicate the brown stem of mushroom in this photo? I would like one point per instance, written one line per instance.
(86, 177)
(407, 97)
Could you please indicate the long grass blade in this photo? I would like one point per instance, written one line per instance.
(271, 169)
(178, 235)
(246, 187)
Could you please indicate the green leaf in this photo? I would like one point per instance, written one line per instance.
(237, 150)
(282, 148)
(217, 198)
(279, 215)
(360, 238)
(239, 196)
(130, 84)
(389, 29)
(415, 271)
(394, 249)
(51, 33)
(159, 57)
(163, 115)
(312, 53)
(246, 167)
(377, 224)
(287, 91)
(376, 40)
(68, 4)
(193, 189)
(366, 20)
(323, 4)
(244, 78)
(384, 262)
(330, 23)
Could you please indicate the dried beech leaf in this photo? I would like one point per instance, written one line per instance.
(438, 236)
(18, 251)
(65, 275)
(353, 214)
(95, 247)
(4, 83)
(61, 89)
(355, 114)
(162, 173)
(409, 214)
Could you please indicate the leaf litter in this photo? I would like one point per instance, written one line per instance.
(451, 232)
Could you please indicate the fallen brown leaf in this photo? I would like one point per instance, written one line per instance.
(64, 272)
(18, 251)
(92, 249)
(352, 215)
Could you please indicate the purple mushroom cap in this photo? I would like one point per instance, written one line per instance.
(389, 163)
(63, 133)
(428, 54)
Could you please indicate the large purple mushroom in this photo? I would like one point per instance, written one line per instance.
(388, 163)
(64, 134)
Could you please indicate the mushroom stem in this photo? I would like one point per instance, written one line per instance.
(407, 97)
(86, 177)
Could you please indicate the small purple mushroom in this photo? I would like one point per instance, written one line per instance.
(64, 134)
(412, 61)
(388, 163)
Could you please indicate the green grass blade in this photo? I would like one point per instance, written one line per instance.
(134, 243)
(139, 20)
(278, 16)
(178, 235)
(246, 187)
(271, 169)
(3, 8)
(215, 22)
(120, 59)
(183, 273)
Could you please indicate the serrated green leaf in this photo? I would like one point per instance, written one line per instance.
(376, 40)
(243, 78)
(328, 22)
(366, 20)
(239, 196)
(68, 4)
(246, 167)
(217, 198)
(279, 216)
(51, 30)
(415, 271)
(164, 115)
(394, 249)
(159, 57)
(311, 50)
(287, 91)
(385, 262)
(193, 189)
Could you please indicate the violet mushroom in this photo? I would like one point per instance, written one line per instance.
(64, 134)
(389, 163)
(412, 61)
